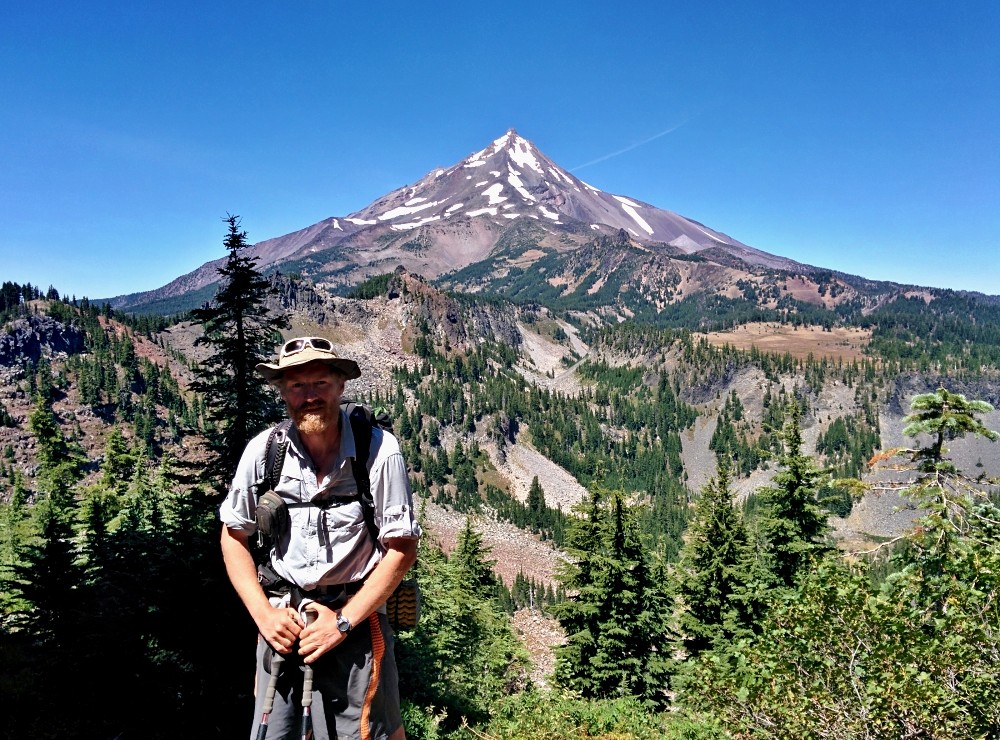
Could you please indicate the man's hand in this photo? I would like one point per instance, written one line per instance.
(321, 633)
(281, 627)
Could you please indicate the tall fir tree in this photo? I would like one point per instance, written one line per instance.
(241, 332)
(579, 615)
(793, 523)
(536, 503)
(713, 575)
(630, 635)
(614, 640)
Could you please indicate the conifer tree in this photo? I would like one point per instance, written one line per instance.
(241, 332)
(463, 656)
(119, 462)
(471, 561)
(713, 572)
(13, 517)
(579, 615)
(629, 633)
(793, 523)
(613, 636)
(536, 503)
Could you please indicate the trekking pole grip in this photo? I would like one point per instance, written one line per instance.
(272, 684)
(307, 686)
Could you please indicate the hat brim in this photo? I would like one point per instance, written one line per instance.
(348, 368)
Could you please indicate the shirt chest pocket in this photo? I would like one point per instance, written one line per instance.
(341, 523)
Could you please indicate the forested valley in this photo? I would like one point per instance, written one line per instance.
(697, 597)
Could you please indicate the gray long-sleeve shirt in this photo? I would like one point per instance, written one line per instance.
(326, 545)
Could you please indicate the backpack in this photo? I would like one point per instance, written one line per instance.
(403, 606)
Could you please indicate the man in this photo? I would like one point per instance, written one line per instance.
(337, 577)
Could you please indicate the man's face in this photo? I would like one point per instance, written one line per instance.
(312, 394)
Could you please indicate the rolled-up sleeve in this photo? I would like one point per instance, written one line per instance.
(238, 509)
(393, 497)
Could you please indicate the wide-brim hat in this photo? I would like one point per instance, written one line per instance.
(302, 351)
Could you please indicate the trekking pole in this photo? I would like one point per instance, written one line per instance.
(307, 688)
(272, 684)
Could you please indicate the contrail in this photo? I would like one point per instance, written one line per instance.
(628, 148)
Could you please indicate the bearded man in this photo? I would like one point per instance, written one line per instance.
(324, 608)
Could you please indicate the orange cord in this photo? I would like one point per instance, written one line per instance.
(378, 652)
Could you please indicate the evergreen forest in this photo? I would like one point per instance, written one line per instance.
(695, 598)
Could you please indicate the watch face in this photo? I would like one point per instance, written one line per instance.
(343, 624)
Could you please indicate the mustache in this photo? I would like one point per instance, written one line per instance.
(305, 408)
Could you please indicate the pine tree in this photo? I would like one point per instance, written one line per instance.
(536, 503)
(579, 615)
(713, 572)
(241, 332)
(471, 559)
(629, 632)
(119, 461)
(614, 638)
(793, 523)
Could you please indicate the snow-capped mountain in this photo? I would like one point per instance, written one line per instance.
(456, 216)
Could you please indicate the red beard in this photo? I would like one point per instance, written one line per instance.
(313, 420)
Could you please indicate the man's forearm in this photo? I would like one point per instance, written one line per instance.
(243, 572)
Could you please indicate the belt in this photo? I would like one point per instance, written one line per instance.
(336, 589)
(334, 595)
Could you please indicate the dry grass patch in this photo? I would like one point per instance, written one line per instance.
(840, 343)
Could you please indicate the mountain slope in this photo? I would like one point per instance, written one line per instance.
(454, 217)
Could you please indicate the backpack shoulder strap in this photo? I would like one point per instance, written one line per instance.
(361, 425)
(277, 445)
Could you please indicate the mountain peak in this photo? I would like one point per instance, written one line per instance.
(518, 149)
(453, 217)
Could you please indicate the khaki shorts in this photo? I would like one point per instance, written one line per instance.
(355, 688)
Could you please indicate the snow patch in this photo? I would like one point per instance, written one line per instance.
(685, 243)
(711, 236)
(560, 175)
(515, 181)
(626, 201)
(336, 225)
(595, 227)
(406, 211)
(493, 193)
(498, 144)
(629, 208)
(454, 207)
(520, 152)
(512, 215)
(361, 221)
(413, 224)
(481, 211)
(471, 163)
(414, 201)
(549, 214)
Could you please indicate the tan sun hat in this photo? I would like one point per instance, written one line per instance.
(301, 350)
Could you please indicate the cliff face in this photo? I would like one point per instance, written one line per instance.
(31, 337)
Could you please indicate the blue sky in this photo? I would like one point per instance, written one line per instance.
(859, 136)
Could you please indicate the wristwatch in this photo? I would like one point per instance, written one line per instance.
(343, 623)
